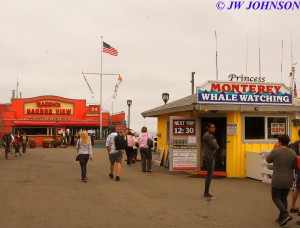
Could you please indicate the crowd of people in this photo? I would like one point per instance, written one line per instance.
(117, 144)
(14, 142)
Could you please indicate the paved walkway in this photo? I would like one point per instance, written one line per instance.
(44, 189)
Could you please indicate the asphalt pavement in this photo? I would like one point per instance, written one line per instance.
(43, 188)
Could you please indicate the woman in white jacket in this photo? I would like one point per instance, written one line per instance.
(84, 153)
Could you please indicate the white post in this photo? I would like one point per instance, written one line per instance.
(101, 88)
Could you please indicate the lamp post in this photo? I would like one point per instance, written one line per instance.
(129, 103)
(165, 97)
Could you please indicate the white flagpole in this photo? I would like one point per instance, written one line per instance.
(101, 88)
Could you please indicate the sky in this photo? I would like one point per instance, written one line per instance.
(48, 44)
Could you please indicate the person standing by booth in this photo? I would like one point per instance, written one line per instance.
(284, 162)
(146, 153)
(210, 146)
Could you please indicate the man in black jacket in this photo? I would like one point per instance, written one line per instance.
(210, 146)
(6, 140)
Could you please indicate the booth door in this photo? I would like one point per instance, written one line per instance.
(220, 134)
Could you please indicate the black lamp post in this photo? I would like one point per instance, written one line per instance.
(165, 97)
(129, 103)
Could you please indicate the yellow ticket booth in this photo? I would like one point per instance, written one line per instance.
(248, 116)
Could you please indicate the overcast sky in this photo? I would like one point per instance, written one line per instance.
(47, 44)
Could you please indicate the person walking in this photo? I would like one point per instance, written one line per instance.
(296, 191)
(6, 140)
(17, 143)
(129, 148)
(84, 153)
(210, 146)
(284, 162)
(24, 139)
(115, 145)
(146, 153)
(12, 143)
(135, 149)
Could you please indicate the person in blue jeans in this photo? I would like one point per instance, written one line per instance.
(210, 146)
(84, 153)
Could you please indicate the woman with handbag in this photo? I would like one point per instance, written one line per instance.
(84, 153)
(145, 140)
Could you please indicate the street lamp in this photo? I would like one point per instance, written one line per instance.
(129, 103)
(165, 97)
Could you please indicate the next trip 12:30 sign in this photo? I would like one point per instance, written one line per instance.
(184, 127)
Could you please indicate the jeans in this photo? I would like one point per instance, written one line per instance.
(279, 197)
(24, 147)
(146, 158)
(134, 154)
(129, 151)
(6, 147)
(83, 160)
(210, 164)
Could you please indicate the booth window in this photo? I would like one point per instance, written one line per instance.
(264, 127)
(254, 127)
(36, 130)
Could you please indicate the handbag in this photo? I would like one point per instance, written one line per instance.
(77, 158)
(149, 142)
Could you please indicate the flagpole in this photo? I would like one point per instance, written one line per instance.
(101, 88)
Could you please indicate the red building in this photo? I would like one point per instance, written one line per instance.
(46, 116)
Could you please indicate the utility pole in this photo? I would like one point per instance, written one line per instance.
(192, 81)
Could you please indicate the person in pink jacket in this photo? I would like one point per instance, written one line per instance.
(146, 152)
(129, 148)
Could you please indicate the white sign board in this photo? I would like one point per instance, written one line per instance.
(232, 129)
(277, 128)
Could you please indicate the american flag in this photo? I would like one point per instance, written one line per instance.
(295, 90)
(109, 49)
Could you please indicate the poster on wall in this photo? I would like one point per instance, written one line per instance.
(183, 144)
(184, 159)
(232, 129)
(277, 128)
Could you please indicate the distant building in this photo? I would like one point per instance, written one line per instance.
(43, 117)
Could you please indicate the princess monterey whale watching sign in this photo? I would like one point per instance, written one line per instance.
(244, 93)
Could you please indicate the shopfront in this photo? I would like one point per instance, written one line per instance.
(46, 116)
(248, 116)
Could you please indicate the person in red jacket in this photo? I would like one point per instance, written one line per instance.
(17, 143)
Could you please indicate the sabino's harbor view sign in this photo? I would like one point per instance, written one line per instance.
(244, 93)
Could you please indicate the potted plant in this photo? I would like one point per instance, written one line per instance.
(32, 143)
(46, 143)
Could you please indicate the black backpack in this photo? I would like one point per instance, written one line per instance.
(294, 146)
(120, 142)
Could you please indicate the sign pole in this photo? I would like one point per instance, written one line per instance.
(101, 88)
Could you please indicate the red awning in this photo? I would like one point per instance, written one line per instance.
(59, 123)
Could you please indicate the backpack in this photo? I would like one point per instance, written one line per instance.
(120, 142)
(294, 146)
(149, 142)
